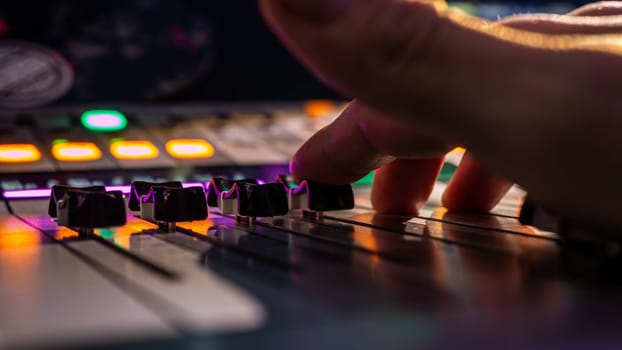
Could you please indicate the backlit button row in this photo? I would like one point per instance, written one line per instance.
(19, 153)
(189, 149)
(135, 150)
(87, 151)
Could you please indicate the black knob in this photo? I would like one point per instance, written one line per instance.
(88, 209)
(570, 230)
(319, 197)
(247, 197)
(219, 185)
(170, 204)
(261, 200)
(141, 188)
(58, 192)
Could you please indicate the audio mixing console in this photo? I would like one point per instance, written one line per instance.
(174, 228)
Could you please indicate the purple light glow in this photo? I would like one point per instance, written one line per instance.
(193, 184)
(124, 189)
(20, 194)
(45, 192)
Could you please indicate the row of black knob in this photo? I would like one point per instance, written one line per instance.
(94, 207)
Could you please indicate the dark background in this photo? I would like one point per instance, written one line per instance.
(170, 50)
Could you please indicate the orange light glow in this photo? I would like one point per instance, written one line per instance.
(16, 234)
(19, 153)
(458, 150)
(121, 235)
(19, 239)
(367, 241)
(65, 233)
(76, 152)
(319, 108)
(135, 150)
(200, 227)
(189, 148)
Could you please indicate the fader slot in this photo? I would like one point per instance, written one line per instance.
(141, 264)
(43, 286)
(456, 234)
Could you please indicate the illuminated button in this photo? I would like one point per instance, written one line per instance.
(19, 153)
(104, 120)
(57, 141)
(189, 148)
(319, 108)
(76, 152)
(134, 150)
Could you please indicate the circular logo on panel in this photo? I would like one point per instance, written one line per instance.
(31, 75)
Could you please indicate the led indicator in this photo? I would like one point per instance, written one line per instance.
(319, 108)
(135, 150)
(365, 181)
(189, 148)
(57, 141)
(19, 153)
(76, 152)
(104, 120)
(458, 150)
(16, 194)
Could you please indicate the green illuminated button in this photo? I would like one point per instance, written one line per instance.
(365, 181)
(59, 141)
(104, 120)
(447, 171)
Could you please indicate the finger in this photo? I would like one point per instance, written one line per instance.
(474, 188)
(399, 56)
(556, 24)
(601, 8)
(404, 185)
(360, 140)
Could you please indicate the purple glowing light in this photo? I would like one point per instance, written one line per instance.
(45, 192)
(21, 194)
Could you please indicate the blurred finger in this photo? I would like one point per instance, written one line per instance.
(474, 188)
(416, 56)
(404, 185)
(601, 8)
(556, 24)
(360, 140)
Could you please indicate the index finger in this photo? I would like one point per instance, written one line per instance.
(360, 140)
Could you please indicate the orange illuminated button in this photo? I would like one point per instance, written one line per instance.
(19, 153)
(76, 151)
(319, 108)
(135, 150)
(189, 148)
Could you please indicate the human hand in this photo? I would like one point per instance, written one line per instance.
(533, 101)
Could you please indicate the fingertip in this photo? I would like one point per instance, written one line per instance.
(404, 185)
(294, 168)
(324, 159)
(474, 188)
